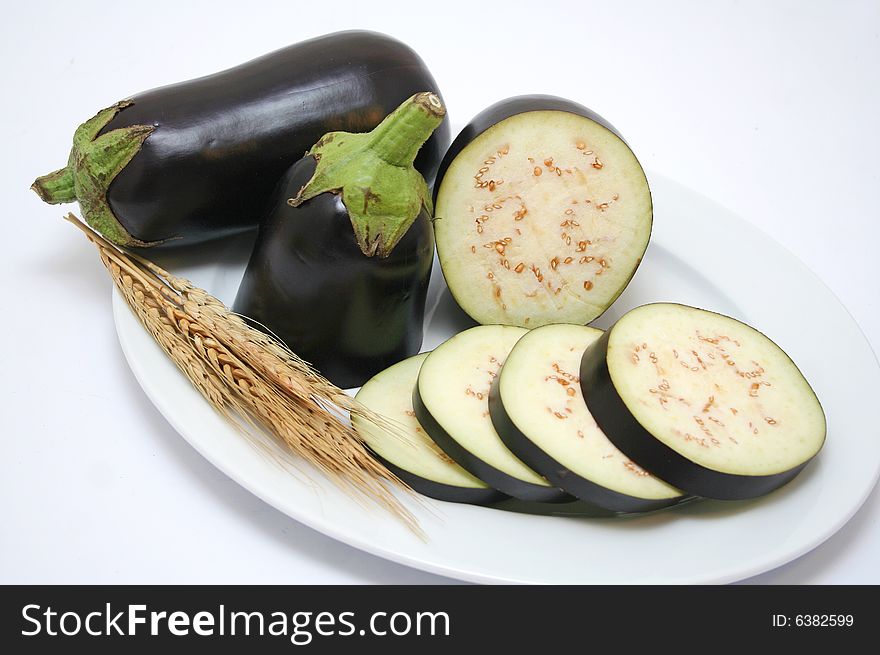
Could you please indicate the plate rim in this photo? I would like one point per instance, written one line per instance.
(318, 522)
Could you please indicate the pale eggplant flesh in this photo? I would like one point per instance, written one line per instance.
(543, 214)
(538, 409)
(451, 401)
(406, 450)
(703, 401)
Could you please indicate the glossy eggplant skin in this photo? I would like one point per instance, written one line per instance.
(222, 142)
(308, 282)
(503, 110)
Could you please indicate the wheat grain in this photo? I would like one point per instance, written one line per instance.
(252, 379)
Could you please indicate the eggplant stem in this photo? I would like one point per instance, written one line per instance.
(95, 161)
(398, 138)
(373, 173)
(56, 187)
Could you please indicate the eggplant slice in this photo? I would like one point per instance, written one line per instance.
(543, 213)
(451, 401)
(412, 455)
(538, 409)
(703, 401)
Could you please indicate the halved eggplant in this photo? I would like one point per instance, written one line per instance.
(703, 401)
(538, 409)
(543, 213)
(451, 401)
(412, 455)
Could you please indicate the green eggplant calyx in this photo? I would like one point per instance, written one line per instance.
(374, 174)
(94, 163)
(56, 187)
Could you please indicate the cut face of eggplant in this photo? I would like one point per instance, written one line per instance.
(451, 401)
(538, 408)
(702, 400)
(412, 455)
(543, 213)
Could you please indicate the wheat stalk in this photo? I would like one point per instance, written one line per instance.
(250, 378)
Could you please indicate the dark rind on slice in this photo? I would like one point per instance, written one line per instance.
(559, 474)
(637, 443)
(500, 480)
(504, 109)
(441, 491)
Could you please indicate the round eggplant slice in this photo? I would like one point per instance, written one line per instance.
(543, 213)
(451, 401)
(538, 408)
(703, 401)
(411, 455)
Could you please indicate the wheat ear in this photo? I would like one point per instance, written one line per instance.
(252, 379)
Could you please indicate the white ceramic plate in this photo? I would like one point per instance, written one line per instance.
(700, 254)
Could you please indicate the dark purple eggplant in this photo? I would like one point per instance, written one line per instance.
(198, 160)
(341, 265)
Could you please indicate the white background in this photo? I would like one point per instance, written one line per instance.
(769, 108)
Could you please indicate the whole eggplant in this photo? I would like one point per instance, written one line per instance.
(197, 160)
(341, 265)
